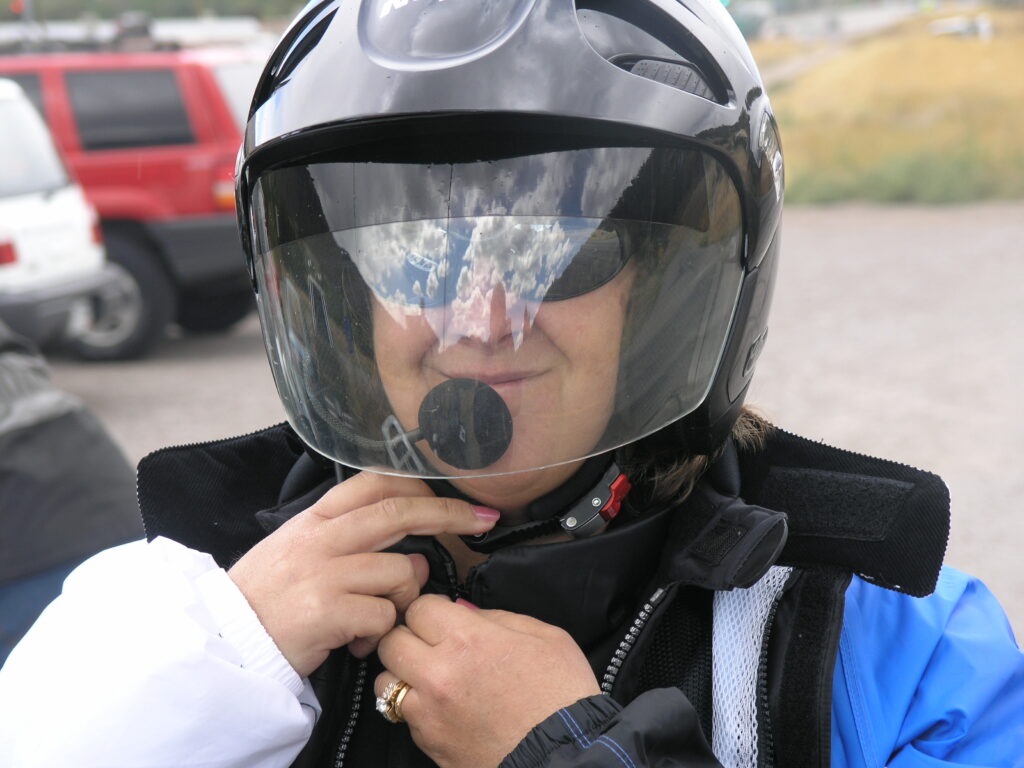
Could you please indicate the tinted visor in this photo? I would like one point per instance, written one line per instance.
(591, 290)
(436, 262)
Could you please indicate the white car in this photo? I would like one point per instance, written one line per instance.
(52, 262)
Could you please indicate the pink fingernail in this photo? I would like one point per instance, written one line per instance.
(487, 514)
(468, 604)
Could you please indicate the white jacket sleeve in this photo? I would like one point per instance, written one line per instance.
(151, 657)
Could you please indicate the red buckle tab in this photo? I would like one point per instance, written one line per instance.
(620, 487)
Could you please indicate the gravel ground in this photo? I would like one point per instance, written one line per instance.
(895, 333)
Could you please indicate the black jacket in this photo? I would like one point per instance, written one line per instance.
(66, 490)
(638, 598)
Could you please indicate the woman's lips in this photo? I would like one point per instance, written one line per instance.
(517, 388)
(495, 379)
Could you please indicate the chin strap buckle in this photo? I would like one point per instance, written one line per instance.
(599, 506)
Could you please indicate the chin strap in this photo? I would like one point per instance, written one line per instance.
(587, 515)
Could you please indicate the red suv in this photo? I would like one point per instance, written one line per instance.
(152, 138)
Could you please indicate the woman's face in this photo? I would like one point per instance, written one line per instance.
(555, 364)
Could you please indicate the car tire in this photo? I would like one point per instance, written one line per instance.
(214, 312)
(133, 315)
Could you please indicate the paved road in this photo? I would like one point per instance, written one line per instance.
(896, 332)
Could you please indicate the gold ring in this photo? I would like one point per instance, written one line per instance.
(399, 697)
(389, 703)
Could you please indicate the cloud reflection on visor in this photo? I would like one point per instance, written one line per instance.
(458, 263)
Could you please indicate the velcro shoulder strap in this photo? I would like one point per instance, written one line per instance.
(885, 521)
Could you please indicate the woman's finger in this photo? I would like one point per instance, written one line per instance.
(362, 647)
(384, 679)
(379, 525)
(518, 622)
(401, 587)
(358, 616)
(363, 489)
(432, 617)
(405, 655)
(409, 706)
(397, 577)
(314, 625)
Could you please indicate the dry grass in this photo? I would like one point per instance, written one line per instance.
(910, 117)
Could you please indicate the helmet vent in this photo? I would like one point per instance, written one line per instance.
(681, 75)
(642, 39)
(303, 47)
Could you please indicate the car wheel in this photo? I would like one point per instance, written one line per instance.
(213, 312)
(132, 316)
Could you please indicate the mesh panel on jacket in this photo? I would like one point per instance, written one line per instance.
(740, 620)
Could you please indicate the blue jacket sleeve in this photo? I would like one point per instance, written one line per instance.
(927, 682)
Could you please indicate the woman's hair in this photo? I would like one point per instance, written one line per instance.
(669, 477)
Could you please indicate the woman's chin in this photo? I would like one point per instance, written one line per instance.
(513, 493)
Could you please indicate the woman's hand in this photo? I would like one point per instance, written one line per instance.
(321, 581)
(480, 680)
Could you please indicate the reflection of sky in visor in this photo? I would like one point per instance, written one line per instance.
(441, 262)
(457, 264)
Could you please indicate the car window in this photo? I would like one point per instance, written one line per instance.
(30, 85)
(128, 108)
(237, 82)
(27, 155)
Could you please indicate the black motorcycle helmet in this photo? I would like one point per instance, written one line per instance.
(408, 161)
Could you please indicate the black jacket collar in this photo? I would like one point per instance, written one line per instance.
(887, 522)
(589, 587)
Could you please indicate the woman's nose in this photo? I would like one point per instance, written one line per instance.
(481, 318)
(499, 325)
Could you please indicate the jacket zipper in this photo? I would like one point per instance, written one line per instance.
(457, 590)
(767, 759)
(627, 643)
(465, 591)
(353, 715)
